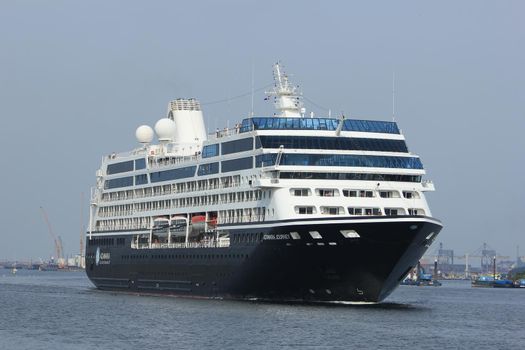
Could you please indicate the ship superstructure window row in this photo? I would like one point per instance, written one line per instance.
(283, 123)
(269, 159)
(351, 160)
(364, 211)
(126, 166)
(358, 193)
(348, 176)
(230, 216)
(194, 201)
(332, 143)
(180, 187)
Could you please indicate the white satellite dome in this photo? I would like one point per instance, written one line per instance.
(144, 134)
(165, 129)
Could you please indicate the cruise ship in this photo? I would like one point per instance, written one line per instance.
(289, 207)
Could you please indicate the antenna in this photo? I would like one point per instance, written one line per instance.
(251, 112)
(393, 96)
(81, 255)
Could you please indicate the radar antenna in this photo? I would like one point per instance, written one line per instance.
(287, 98)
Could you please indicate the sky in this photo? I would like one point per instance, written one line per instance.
(78, 77)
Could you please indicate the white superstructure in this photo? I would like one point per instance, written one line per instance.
(265, 171)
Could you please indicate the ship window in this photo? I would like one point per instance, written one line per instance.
(305, 210)
(267, 159)
(414, 211)
(236, 164)
(355, 211)
(237, 146)
(332, 210)
(207, 169)
(350, 193)
(141, 179)
(348, 176)
(410, 194)
(210, 151)
(140, 164)
(351, 160)
(173, 174)
(120, 167)
(390, 211)
(387, 194)
(332, 143)
(327, 192)
(358, 193)
(300, 192)
(118, 182)
(270, 123)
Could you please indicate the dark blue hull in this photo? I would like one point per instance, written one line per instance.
(266, 262)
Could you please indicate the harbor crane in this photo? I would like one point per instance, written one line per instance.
(57, 240)
(488, 258)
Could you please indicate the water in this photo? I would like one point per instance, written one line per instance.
(62, 310)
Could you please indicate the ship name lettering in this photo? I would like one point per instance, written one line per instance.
(268, 236)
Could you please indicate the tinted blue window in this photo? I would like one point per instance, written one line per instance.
(207, 169)
(140, 164)
(335, 143)
(141, 179)
(119, 182)
(268, 123)
(237, 146)
(349, 176)
(120, 167)
(173, 174)
(370, 126)
(351, 160)
(246, 125)
(237, 164)
(210, 151)
(267, 159)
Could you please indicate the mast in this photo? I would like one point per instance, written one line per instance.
(287, 98)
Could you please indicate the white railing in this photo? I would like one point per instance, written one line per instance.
(222, 243)
(227, 132)
(162, 162)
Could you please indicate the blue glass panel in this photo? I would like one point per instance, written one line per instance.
(266, 159)
(119, 182)
(141, 179)
(140, 164)
(335, 143)
(173, 174)
(349, 176)
(207, 169)
(370, 126)
(210, 151)
(351, 160)
(237, 164)
(120, 167)
(269, 123)
(237, 146)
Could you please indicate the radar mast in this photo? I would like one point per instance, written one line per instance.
(287, 98)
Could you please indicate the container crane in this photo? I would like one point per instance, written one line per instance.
(58, 241)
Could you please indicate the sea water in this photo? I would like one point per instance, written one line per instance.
(62, 310)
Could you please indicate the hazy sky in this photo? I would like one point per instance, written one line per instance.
(77, 78)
